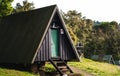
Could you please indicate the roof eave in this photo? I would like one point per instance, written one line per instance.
(48, 25)
(69, 37)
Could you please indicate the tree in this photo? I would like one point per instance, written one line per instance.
(80, 25)
(105, 40)
(95, 45)
(73, 36)
(73, 21)
(113, 44)
(26, 6)
(102, 38)
(5, 7)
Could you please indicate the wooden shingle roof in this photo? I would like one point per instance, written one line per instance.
(20, 34)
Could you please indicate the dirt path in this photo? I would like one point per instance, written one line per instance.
(80, 71)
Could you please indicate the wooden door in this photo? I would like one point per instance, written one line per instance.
(54, 43)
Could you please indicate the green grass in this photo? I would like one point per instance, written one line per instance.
(93, 67)
(97, 68)
(12, 72)
(49, 68)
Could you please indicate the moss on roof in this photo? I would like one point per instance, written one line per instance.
(20, 34)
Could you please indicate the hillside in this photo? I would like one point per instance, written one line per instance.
(90, 68)
(96, 68)
(86, 66)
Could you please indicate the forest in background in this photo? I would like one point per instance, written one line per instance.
(101, 38)
(98, 38)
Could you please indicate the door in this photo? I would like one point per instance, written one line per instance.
(54, 43)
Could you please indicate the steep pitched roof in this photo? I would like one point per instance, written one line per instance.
(21, 34)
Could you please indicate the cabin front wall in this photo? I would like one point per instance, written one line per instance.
(65, 49)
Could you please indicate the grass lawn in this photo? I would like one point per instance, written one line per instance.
(97, 68)
(93, 67)
(11, 72)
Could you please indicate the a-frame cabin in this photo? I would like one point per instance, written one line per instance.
(36, 36)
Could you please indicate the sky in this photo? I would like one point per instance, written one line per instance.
(98, 10)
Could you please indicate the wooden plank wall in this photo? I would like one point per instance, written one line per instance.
(44, 51)
(65, 49)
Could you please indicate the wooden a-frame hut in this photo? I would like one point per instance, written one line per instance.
(35, 36)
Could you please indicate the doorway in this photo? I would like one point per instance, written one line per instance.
(54, 43)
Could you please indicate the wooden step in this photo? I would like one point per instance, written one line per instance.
(62, 67)
(64, 70)
(60, 64)
(73, 74)
(56, 59)
(59, 61)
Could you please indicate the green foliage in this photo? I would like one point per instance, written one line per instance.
(96, 68)
(49, 68)
(80, 26)
(101, 38)
(105, 39)
(12, 72)
(73, 36)
(113, 44)
(26, 6)
(5, 7)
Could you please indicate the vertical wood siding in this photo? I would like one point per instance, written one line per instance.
(66, 51)
(44, 51)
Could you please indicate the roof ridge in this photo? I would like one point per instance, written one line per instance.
(48, 6)
(51, 6)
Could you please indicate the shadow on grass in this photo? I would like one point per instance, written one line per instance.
(21, 67)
